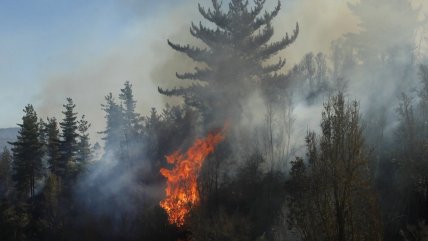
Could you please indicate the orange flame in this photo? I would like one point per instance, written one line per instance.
(182, 188)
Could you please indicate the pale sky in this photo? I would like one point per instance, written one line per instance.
(53, 49)
(43, 38)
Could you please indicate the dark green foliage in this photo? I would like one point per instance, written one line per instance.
(84, 153)
(27, 154)
(53, 146)
(43, 134)
(69, 128)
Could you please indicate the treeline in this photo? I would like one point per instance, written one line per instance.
(39, 172)
(361, 177)
(50, 187)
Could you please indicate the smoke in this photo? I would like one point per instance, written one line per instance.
(143, 57)
(87, 75)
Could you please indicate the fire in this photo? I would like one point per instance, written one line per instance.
(182, 188)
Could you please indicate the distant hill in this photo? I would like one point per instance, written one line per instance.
(7, 134)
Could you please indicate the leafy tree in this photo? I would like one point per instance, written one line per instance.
(234, 59)
(27, 154)
(332, 196)
(310, 77)
(411, 141)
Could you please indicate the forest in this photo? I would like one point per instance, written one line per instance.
(230, 156)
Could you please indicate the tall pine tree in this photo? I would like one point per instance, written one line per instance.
(84, 153)
(113, 134)
(69, 127)
(27, 154)
(131, 125)
(234, 60)
(131, 119)
(53, 146)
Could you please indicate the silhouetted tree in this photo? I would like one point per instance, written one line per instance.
(113, 134)
(234, 60)
(131, 125)
(53, 146)
(69, 128)
(84, 152)
(27, 154)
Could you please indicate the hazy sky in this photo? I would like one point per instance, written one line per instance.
(53, 49)
(44, 38)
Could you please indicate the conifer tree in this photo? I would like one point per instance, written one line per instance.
(131, 119)
(5, 171)
(113, 134)
(27, 154)
(234, 58)
(84, 153)
(131, 125)
(69, 127)
(53, 146)
(152, 132)
(42, 134)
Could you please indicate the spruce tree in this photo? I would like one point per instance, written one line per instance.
(69, 138)
(27, 154)
(131, 119)
(113, 134)
(131, 125)
(53, 146)
(234, 60)
(84, 153)
(42, 134)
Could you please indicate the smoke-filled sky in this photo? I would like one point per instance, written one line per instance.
(53, 49)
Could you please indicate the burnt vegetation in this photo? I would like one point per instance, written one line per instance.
(361, 176)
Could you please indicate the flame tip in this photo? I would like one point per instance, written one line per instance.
(181, 190)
